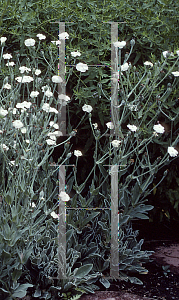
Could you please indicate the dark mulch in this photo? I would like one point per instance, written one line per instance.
(157, 284)
(162, 280)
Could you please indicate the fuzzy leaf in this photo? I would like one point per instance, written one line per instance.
(21, 291)
(105, 282)
(83, 271)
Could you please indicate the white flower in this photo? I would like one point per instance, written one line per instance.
(52, 137)
(48, 93)
(64, 196)
(176, 74)
(17, 124)
(46, 107)
(54, 110)
(119, 44)
(110, 125)
(3, 112)
(27, 141)
(116, 143)
(10, 63)
(23, 130)
(7, 86)
(29, 42)
(56, 42)
(24, 79)
(54, 215)
(132, 127)
(59, 133)
(13, 110)
(41, 36)
(56, 126)
(20, 105)
(32, 204)
(57, 79)
(148, 63)
(3, 39)
(87, 108)
(50, 142)
(172, 151)
(132, 107)
(6, 148)
(75, 54)
(7, 56)
(37, 72)
(177, 52)
(82, 67)
(34, 94)
(159, 128)
(24, 69)
(45, 88)
(77, 153)
(63, 35)
(167, 53)
(26, 104)
(64, 97)
(124, 67)
(95, 125)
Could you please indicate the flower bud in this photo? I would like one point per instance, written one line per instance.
(169, 89)
(73, 133)
(165, 172)
(67, 145)
(132, 42)
(98, 132)
(69, 155)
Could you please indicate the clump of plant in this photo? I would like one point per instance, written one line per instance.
(29, 188)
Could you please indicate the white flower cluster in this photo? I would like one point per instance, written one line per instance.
(24, 105)
(24, 79)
